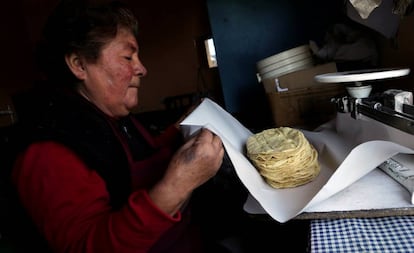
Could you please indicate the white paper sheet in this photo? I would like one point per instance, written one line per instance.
(344, 155)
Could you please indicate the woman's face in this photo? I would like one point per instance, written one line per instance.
(112, 82)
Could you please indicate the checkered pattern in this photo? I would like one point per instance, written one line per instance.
(363, 235)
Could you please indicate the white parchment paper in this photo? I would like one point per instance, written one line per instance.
(346, 155)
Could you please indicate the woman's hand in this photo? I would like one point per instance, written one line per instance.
(194, 163)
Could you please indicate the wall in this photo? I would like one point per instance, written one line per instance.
(169, 42)
(399, 52)
(248, 31)
(17, 47)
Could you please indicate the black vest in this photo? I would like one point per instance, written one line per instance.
(69, 119)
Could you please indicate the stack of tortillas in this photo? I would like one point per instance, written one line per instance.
(283, 156)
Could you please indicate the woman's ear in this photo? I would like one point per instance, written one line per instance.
(75, 64)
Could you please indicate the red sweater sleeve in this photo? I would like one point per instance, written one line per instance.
(70, 205)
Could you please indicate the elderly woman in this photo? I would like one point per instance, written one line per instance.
(90, 178)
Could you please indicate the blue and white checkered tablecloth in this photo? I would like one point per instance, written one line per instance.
(363, 235)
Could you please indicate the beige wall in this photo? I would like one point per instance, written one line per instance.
(168, 50)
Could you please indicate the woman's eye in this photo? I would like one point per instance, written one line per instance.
(128, 58)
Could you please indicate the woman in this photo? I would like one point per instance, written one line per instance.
(90, 177)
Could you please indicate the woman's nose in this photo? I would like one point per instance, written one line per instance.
(140, 69)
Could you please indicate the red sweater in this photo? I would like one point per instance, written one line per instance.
(70, 205)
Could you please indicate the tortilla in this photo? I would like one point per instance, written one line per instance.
(283, 156)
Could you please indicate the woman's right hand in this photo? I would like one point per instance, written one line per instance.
(193, 164)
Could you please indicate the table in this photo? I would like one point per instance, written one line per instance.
(394, 234)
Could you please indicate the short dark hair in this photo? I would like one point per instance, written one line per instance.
(82, 27)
